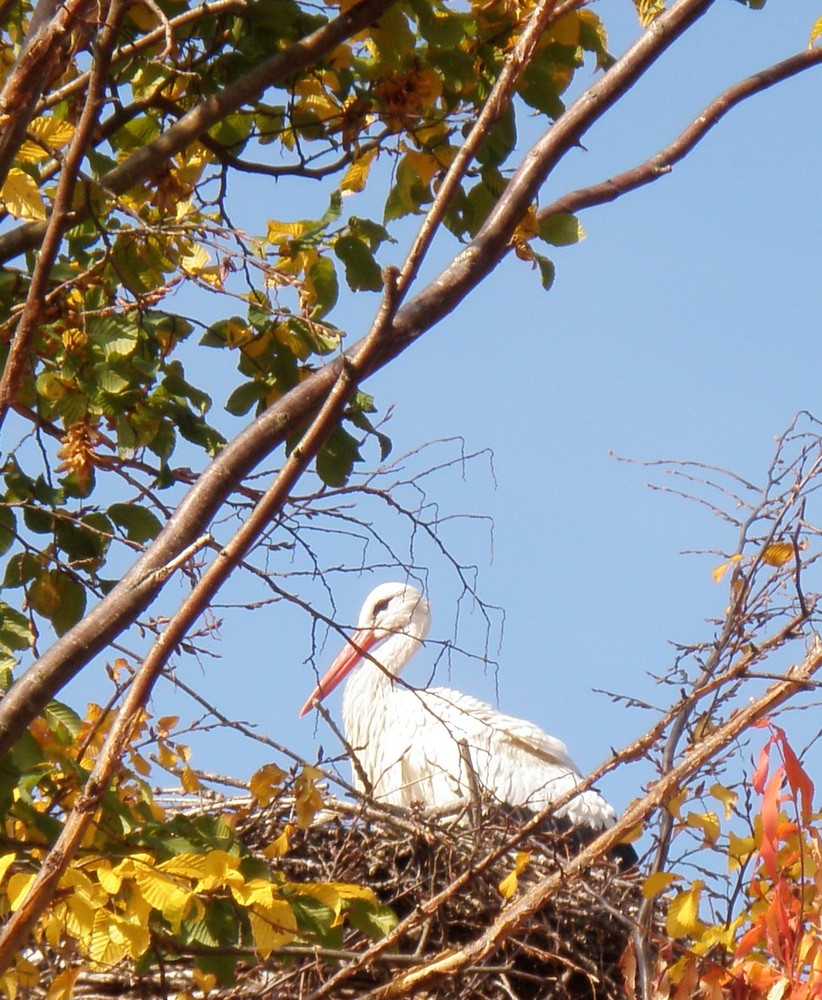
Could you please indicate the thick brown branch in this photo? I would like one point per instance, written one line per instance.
(545, 14)
(17, 929)
(213, 109)
(42, 58)
(29, 321)
(664, 161)
(133, 594)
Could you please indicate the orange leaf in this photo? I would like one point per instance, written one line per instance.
(750, 938)
(770, 821)
(760, 775)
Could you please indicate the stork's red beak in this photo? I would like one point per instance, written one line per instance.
(360, 642)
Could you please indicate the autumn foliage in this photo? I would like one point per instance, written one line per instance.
(125, 131)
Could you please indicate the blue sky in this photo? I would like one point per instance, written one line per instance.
(684, 326)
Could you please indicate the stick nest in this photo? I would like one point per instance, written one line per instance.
(571, 949)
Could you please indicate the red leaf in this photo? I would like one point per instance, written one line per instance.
(798, 779)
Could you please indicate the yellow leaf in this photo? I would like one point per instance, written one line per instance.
(425, 165)
(196, 260)
(778, 553)
(265, 783)
(508, 886)
(739, 850)
(107, 879)
(674, 804)
(206, 981)
(272, 925)
(6, 860)
(307, 799)
(164, 894)
(27, 973)
(565, 31)
(189, 780)
(22, 197)
(18, 888)
(51, 132)
(140, 764)
(655, 883)
(708, 823)
(107, 946)
(357, 174)
(648, 10)
(166, 756)
(719, 571)
(280, 232)
(594, 21)
(8, 985)
(62, 986)
(726, 797)
(816, 31)
(165, 724)
(682, 919)
(334, 894)
(280, 845)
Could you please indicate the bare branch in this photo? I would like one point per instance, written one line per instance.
(663, 162)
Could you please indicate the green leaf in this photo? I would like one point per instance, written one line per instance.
(8, 527)
(82, 540)
(408, 195)
(546, 269)
(139, 523)
(20, 569)
(164, 440)
(59, 597)
(500, 141)
(312, 915)
(374, 234)
(245, 396)
(15, 629)
(65, 722)
(561, 230)
(110, 381)
(335, 461)
(373, 921)
(538, 87)
(40, 521)
(322, 278)
(361, 270)
(116, 335)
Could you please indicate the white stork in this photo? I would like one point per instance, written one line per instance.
(412, 743)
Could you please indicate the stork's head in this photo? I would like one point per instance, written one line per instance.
(394, 614)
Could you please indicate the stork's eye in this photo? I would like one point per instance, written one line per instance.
(380, 606)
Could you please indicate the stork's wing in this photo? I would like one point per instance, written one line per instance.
(514, 759)
(476, 717)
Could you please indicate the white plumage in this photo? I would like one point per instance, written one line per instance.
(412, 744)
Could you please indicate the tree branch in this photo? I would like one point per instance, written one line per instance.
(17, 929)
(41, 59)
(213, 109)
(512, 918)
(663, 162)
(29, 321)
(139, 586)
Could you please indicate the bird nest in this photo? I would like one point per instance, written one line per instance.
(569, 949)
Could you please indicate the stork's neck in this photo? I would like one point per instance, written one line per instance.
(368, 686)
